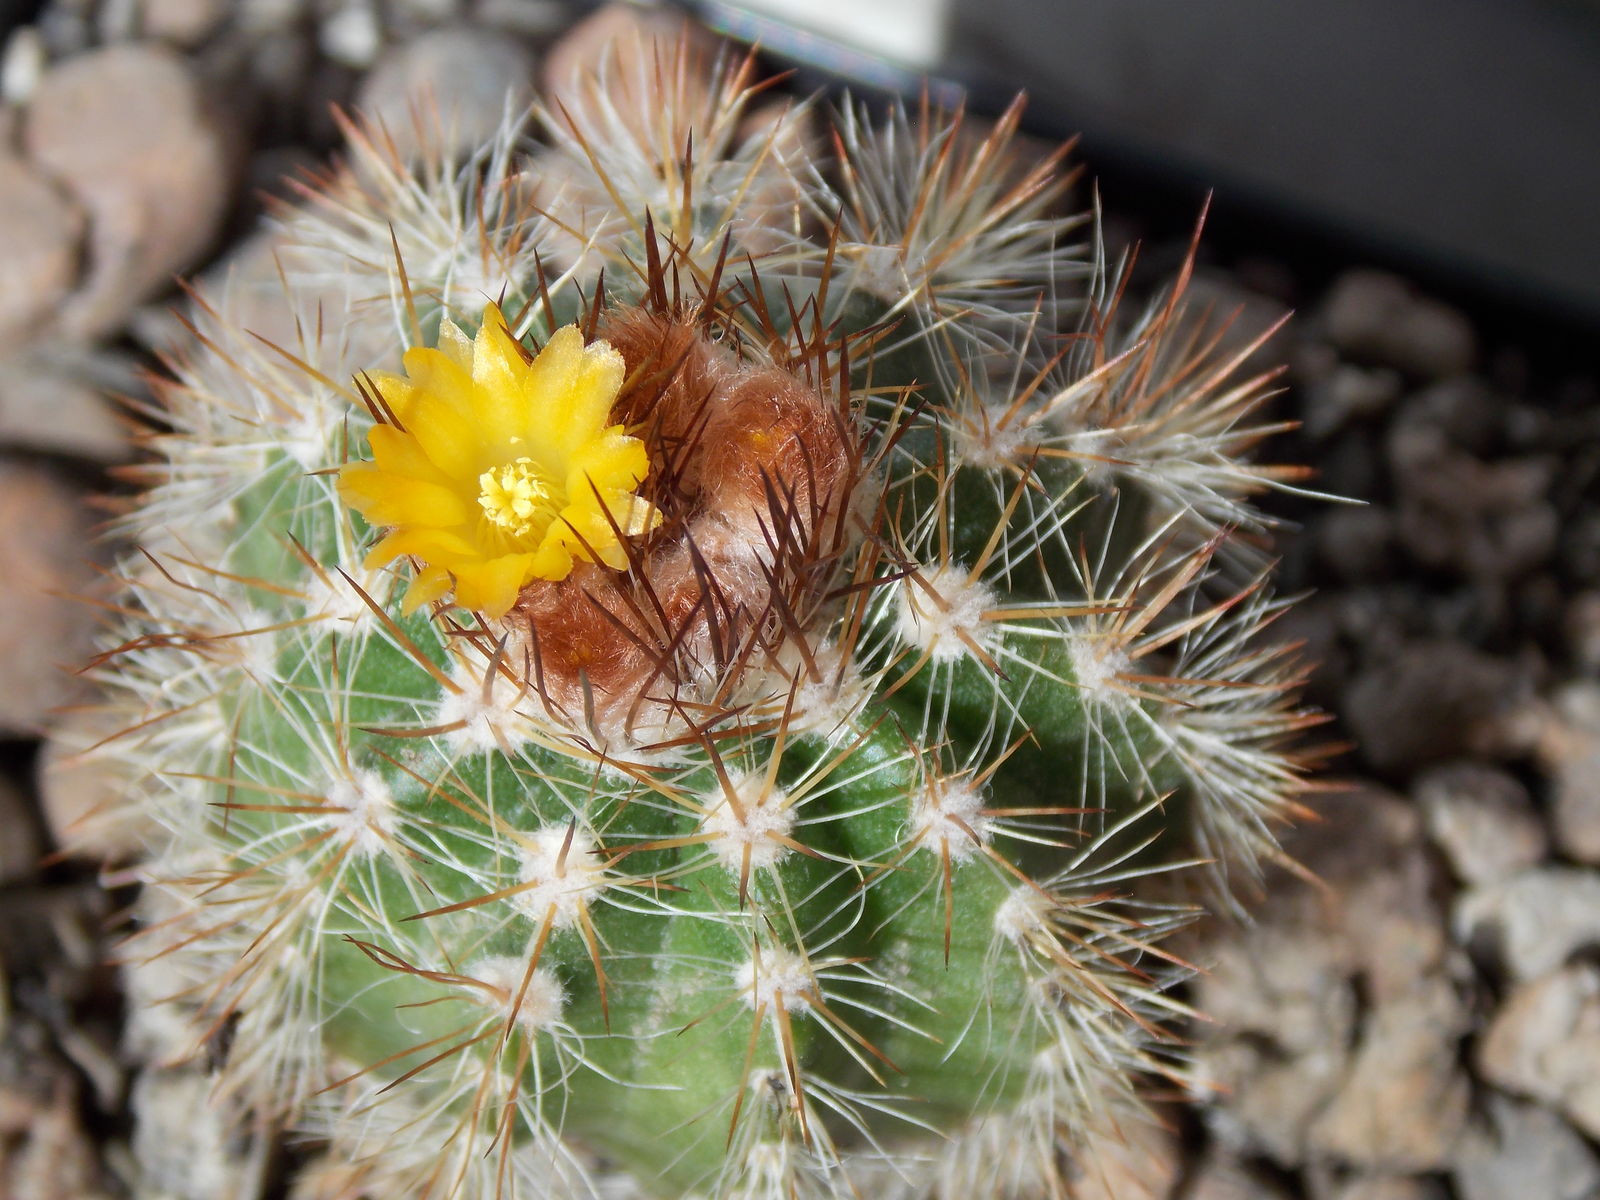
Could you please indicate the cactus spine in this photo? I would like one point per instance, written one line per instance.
(760, 806)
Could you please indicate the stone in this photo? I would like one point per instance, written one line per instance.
(127, 131)
(1533, 922)
(1313, 1064)
(1381, 1187)
(186, 1141)
(448, 90)
(22, 65)
(83, 789)
(620, 29)
(1544, 1043)
(1481, 520)
(352, 34)
(1482, 818)
(1375, 316)
(54, 1158)
(1346, 393)
(181, 22)
(1581, 625)
(1356, 544)
(1403, 1104)
(20, 846)
(1132, 1159)
(1222, 1177)
(46, 542)
(527, 18)
(1568, 750)
(1427, 703)
(1524, 1150)
(56, 406)
(40, 235)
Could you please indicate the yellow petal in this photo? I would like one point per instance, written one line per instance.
(428, 586)
(446, 434)
(612, 460)
(395, 452)
(455, 345)
(431, 545)
(395, 500)
(491, 586)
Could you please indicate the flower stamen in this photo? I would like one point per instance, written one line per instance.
(519, 497)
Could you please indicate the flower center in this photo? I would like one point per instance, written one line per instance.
(518, 497)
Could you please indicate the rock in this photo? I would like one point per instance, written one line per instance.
(1544, 1043)
(1524, 1150)
(1403, 1104)
(1381, 1187)
(268, 16)
(1379, 317)
(126, 130)
(1569, 752)
(1306, 1071)
(52, 1156)
(526, 18)
(181, 22)
(1481, 520)
(59, 407)
(352, 34)
(449, 90)
(46, 541)
(117, 20)
(22, 65)
(83, 794)
(624, 30)
(1427, 703)
(1221, 1177)
(1463, 413)
(1133, 1159)
(20, 847)
(1483, 820)
(186, 1141)
(1356, 543)
(40, 232)
(1533, 922)
(1346, 393)
(1582, 628)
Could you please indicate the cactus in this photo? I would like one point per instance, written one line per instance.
(704, 668)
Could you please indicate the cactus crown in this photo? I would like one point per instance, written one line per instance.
(695, 725)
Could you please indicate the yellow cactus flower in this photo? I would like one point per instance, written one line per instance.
(497, 471)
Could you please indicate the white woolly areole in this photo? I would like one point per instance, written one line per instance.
(542, 1003)
(933, 613)
(775, 976)
(760, 818)
(989, 441)
(481, 725)
(563, 884)
(335, 598)
(947, 817)
(366, 816)
(1022, 914)
(1096, 662)
(255, 641)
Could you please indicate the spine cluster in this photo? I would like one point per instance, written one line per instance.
(881, 670)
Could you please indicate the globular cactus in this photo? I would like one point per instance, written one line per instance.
(704, 666)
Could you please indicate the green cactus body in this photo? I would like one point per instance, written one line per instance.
(834, 887)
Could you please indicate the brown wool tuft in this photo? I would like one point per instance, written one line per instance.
(754, 472)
